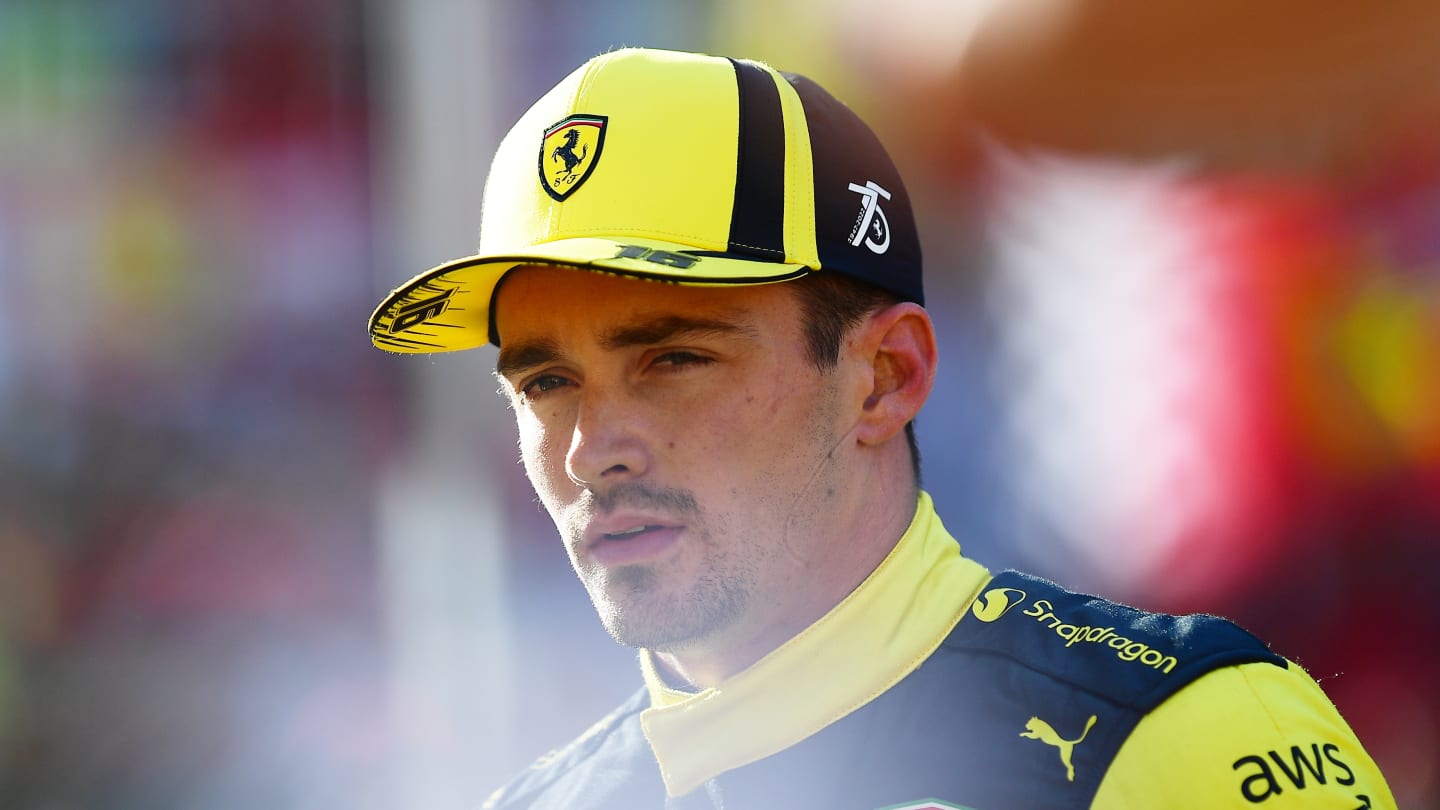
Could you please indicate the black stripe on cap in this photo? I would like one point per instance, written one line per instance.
(757, 221)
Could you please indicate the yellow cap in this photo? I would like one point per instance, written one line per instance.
(668, 166)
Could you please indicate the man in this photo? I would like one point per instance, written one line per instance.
(704, 280)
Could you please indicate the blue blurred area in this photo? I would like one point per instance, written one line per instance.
(1179, 364)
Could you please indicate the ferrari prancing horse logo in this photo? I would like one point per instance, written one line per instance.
(569, 153)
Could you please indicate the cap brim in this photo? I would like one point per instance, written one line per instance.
(448, 308)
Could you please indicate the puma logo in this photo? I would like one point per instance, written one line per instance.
(1038, 729)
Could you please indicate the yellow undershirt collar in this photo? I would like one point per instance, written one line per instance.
(875, 637)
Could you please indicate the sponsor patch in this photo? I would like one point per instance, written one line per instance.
(569, 153)
(1126, 649)
(996, 602)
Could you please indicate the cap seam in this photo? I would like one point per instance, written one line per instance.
(759, 248)
(808, 219)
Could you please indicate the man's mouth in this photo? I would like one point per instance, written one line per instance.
(634, 543)
(634, 531)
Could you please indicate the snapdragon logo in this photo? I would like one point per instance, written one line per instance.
(1125, 649)
(996, 602)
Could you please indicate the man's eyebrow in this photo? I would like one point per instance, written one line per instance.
(515, 358)
(668, 327)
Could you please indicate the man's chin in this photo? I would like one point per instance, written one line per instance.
(638, 609)
(664, 625)
(652, 628)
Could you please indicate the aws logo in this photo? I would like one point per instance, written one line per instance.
(996, 602)
(1296, 769)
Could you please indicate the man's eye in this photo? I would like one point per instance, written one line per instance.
(543, 384)
(680, 358)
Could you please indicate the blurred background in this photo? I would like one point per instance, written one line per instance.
(1184, 260)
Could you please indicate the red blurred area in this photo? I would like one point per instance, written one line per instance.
(1302, 134)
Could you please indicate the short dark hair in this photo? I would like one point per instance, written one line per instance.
(833, 305)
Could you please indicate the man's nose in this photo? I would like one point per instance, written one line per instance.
(608, 443)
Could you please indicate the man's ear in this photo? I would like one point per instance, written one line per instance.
(898, 344)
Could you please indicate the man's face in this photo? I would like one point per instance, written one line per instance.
(682, 443)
